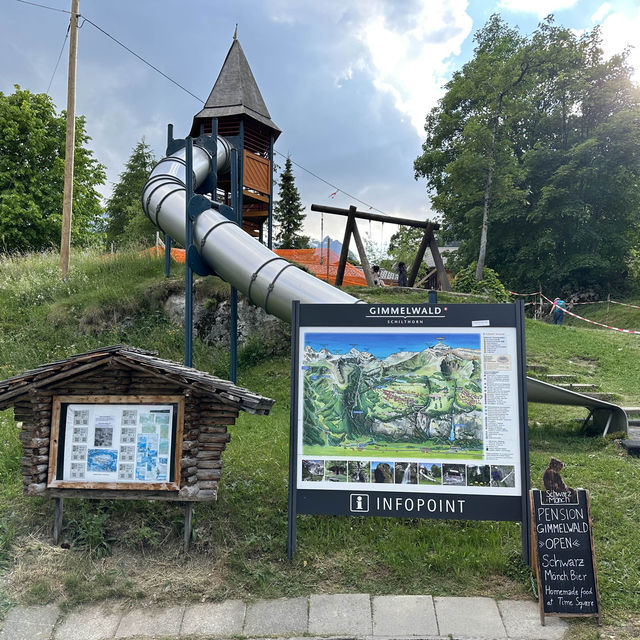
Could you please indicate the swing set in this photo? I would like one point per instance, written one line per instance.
(428, 240)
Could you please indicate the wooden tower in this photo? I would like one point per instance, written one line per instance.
(236, 111)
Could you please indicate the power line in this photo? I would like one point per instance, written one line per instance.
(44, 6)
(64, 42)
(124, 46)
(193, 95)
(333, 186)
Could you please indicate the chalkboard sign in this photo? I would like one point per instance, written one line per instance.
(563, 551)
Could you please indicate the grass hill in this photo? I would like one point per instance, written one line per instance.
(132, 550)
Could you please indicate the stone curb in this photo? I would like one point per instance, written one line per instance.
(342, 616)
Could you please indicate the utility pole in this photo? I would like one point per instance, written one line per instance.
(67, 201)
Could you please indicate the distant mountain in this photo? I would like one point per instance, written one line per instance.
(334, 245)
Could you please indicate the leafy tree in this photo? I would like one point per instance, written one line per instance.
(32, 150)
(287, 211)
(465, 282)
(467, 157)
(565, 141)
(404, 244)
(126, 221)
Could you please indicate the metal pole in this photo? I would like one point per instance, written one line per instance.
(167, 255)
(233, 311)
(188, 284)
(270, 218)
(167, 237)
(67, 198)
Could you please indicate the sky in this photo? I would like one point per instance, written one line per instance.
(382, 345)
(349, 82)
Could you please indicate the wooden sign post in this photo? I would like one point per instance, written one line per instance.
(562, 548)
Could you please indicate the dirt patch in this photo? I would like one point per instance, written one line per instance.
(587, 364)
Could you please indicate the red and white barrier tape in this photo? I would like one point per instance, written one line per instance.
(524, 295)
(625, 304)
(600, 324)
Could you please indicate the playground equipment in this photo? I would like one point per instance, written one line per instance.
(267, 280)
(351, 229)
(213, 232)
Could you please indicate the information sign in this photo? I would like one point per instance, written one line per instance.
(115, 442)
(409, 411)
(563, 551)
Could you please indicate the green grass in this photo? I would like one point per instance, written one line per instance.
(611, 314)
(132, 550)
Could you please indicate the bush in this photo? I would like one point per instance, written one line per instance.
(465, 282)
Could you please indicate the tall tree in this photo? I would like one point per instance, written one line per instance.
(126, 221)
(32, 149)
(467, 157)
(288, 212)
(551, 213)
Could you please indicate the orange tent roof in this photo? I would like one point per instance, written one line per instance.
(323, 264)
(315, 260)
(178, 255)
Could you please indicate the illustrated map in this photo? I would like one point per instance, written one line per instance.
(412, 395)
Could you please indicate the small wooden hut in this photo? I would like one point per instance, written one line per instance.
(119, 422)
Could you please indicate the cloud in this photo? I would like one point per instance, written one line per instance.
(541, 8)
(409, 55)
(404, 47)
(620, 30)
(601, 12)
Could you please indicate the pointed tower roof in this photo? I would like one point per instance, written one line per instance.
(236, 92)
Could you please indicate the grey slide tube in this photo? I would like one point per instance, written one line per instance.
(268, 280)
(272, 282)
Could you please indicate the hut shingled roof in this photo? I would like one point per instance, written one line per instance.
(242, 399)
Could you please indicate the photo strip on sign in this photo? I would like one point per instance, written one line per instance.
(409, 411)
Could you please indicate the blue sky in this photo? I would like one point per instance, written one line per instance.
(348, 81)
(382, 345)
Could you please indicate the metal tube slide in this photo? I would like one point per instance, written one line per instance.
(272, 282)
(268, 280)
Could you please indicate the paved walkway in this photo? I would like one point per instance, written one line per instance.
(334, 616)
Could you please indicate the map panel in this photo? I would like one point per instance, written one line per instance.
(416, 396)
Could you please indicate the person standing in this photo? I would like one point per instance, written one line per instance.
(402, 274)
(559, 307)
(377, 276)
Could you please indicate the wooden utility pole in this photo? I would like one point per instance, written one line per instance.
(67, 201)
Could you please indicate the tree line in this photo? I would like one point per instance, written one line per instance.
(532, 157)
(32, 152)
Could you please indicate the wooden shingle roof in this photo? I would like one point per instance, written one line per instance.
(147, 361)
(236, 92)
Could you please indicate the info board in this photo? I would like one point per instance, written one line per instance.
(115, 442)
(562, 541)
(409, 411)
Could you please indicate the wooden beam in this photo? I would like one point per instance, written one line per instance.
(363, 256)
(407, 222)
(188, 525)
(420, 255)
(57, 520)
(445, 285)
(345, 249)
(423, 280)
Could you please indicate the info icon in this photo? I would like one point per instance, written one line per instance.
(359, 503)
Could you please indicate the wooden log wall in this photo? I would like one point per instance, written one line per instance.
(204, 435)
